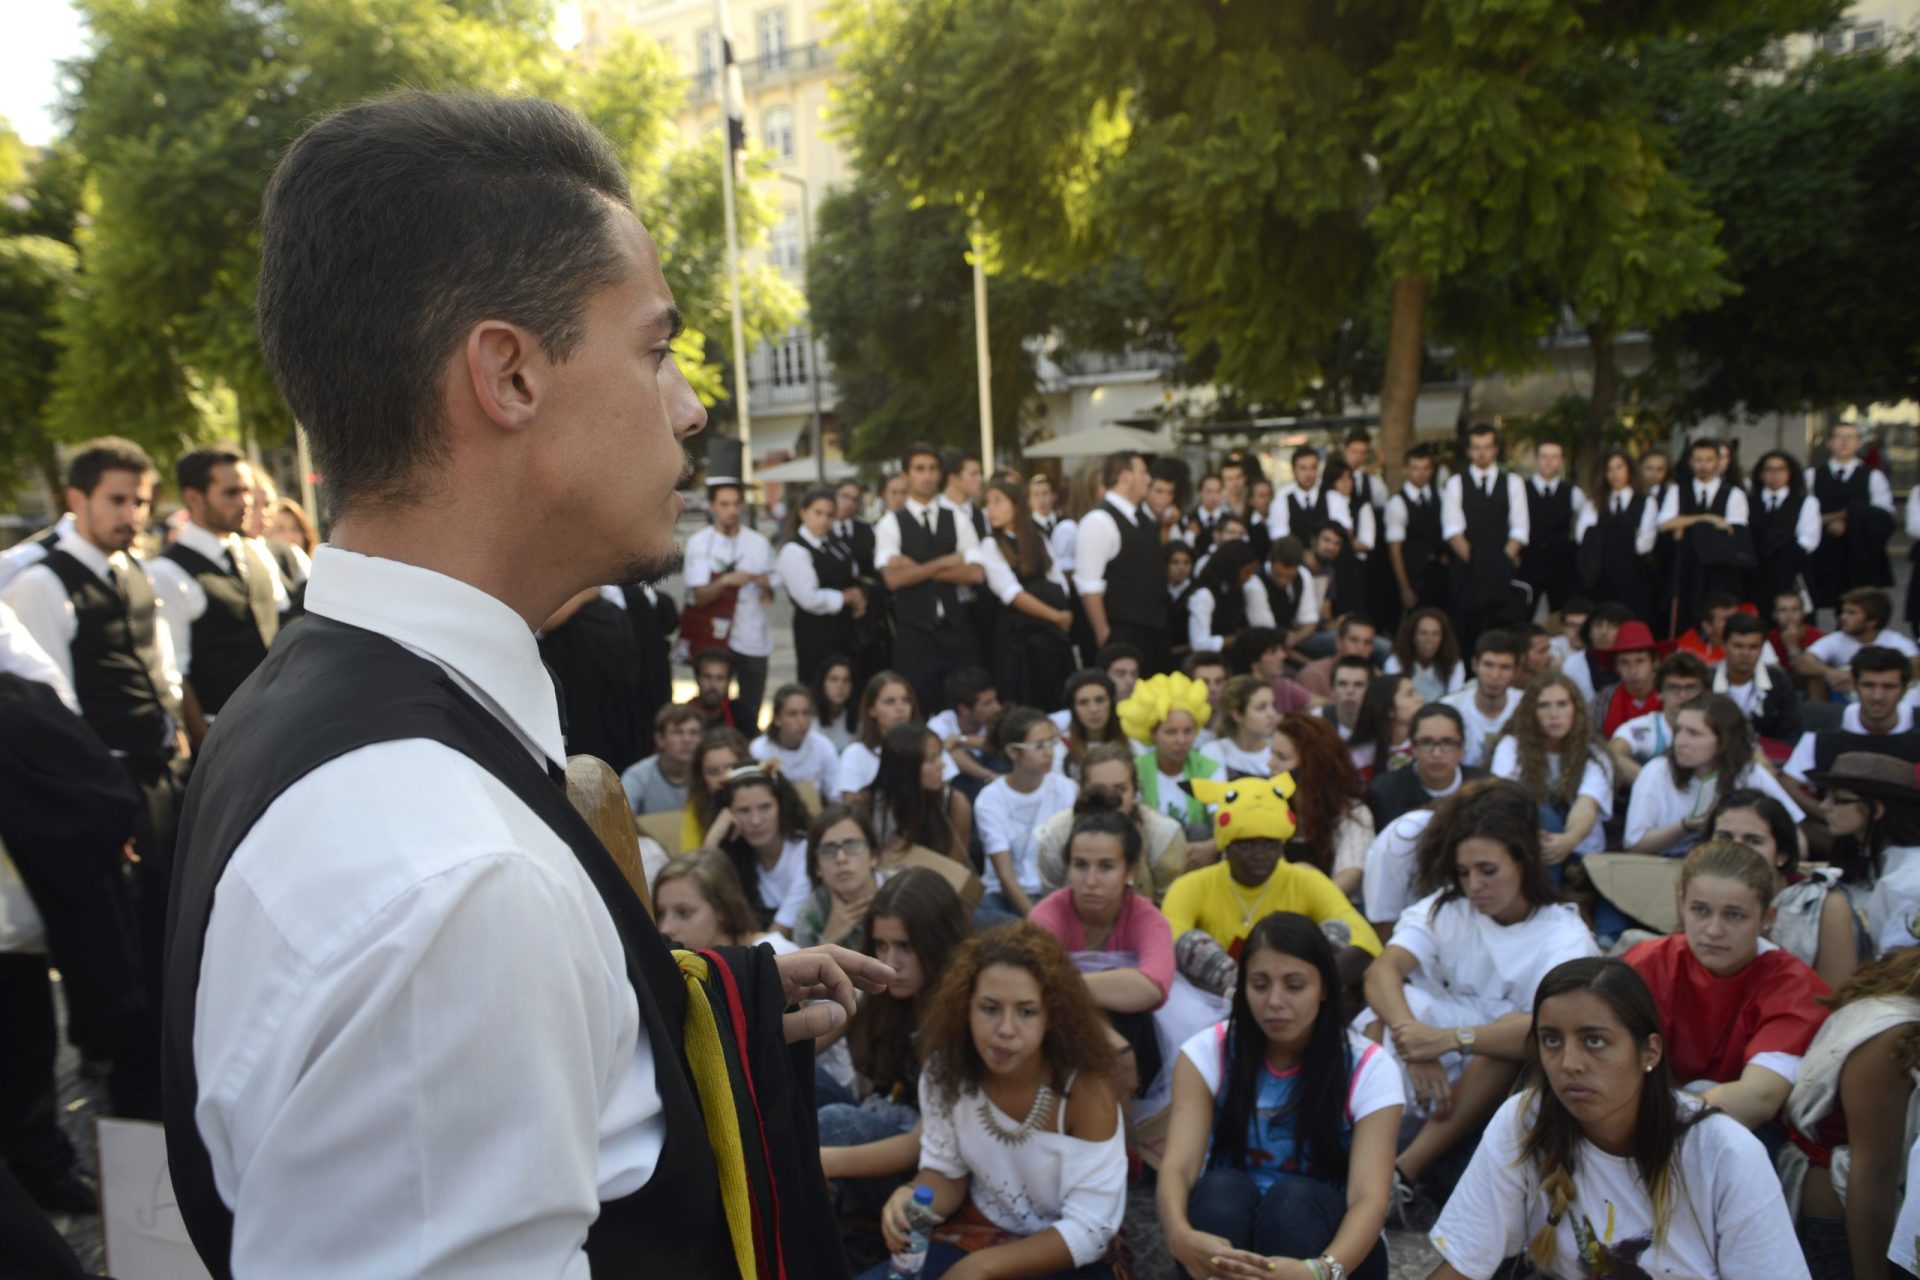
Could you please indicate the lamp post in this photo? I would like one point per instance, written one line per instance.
(813, 352)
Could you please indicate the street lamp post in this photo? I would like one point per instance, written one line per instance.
(813, 351)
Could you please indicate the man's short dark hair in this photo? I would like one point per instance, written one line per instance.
(1207, 658)
(965, 684)
(852, 482)
(1875, 603)
(918, 449)
(194, 470)
(1687, 666)
(1497, 641)
(1287, 551)
(1717, 600)
(1870, 658)
(818, 493)
(1353, 620)
(1703, 442)
(1359, 435)
(1744, 624)
(715, 657)
(1440, 709)
(1579, 604)
(1250, 646)
(1352, 662)
(97, 457)
(390, 229)
(954, 461)
(1424, 451)
(1119, 651)
(674, 713)
(1484, 429)
(1179, 548)
(1118, 464)
(1304, 451)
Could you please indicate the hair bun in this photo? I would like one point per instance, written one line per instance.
(1093, 800)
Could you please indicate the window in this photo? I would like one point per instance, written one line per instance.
(783, 244)
(1834, 42)
(776, 130)
(1869, 35)
(707, 54)
(773, 38)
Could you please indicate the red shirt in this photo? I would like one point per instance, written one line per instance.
(1715, 1025)
(1808, 634)
(1622, 707)
(1695, 643)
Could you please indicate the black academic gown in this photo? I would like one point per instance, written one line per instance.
(597, 662)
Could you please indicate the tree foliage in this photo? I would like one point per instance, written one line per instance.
(38, 263)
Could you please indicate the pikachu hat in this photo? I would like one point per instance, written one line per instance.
(1248, 808)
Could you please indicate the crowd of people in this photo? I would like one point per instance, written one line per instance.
(1483, 856)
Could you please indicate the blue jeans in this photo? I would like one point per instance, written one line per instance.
(940, 1257)
(1297, 1218)
(995, 908)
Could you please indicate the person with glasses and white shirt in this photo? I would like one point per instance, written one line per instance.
(1010, 810)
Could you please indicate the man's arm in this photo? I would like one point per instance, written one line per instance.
(1453, 520)
(40, 604)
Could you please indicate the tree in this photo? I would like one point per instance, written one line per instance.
(37, 269)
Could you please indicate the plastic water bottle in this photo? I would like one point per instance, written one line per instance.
(908, 1262)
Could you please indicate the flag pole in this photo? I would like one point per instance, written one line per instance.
(733, 117)
(981, 358)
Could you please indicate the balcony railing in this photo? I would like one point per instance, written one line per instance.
(777, 67)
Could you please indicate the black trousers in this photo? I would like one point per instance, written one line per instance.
(28, 1242)
(750, 674)
(31, 1141)
(924, 655)
(1150, 641)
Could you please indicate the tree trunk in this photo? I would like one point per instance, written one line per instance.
(1600, 405)
(1400, 384)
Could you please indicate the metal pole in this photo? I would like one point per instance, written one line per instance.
(813, 351)
(981, 358)
(732, 102)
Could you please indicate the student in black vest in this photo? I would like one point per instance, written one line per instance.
(1117, 564)
(1856, 519)
(223, 599)
(1419, 553)
(818, 570)
(1615, 536)
(1302, 507)
(849, 528)
(455, 298)
(1702, 515)
(1554, 506)
(963, 489)
(1483, 516)
(1786, 527)
(92, 607)
(922, 553)
(872, 650)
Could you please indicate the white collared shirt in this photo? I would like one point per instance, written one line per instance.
(405, 967)
(1453, 512)
(1097, 543)
(1280, 514)
(21, 655)
(802, 580)
(1736, 499)
(25, 554)
(749, 551)
(39, 600)
(187, 599)
(1400, 508)
(1879, 491)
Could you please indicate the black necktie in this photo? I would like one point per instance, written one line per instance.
(926, 518)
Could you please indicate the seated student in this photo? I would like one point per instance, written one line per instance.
(1021, 1140)
(1211, 910)
(1280, 1142)
(1286, 598)
(973, 704)
(713, 681)
(1354, 637)
(1678, 680)
(844, 857)
(1167, 712)
(705, 822)
(700, 904)
(1569, 631)
(1262, 651)
(1739, 1011)
(1589, 666)
(1390, 880)
(1811, 914)
(1217, 605)
(870, 1128)
(1329, 800)
(1850, 1119)
(835, 705)
(1878, 721)
(1764, 692)
(1711, 753)
(913, 803)
(1088, 720)
(1213, 671)
(803, 751)
(1383, 739)
(1600, 1167)
(1539, 657)
(1426, 649)
(1167, 855)
(659, 783)
(1439, 740)
(1122, 663)
(886, 704)
(1243, 734)
(1632, 694)
(1549, 724)
(1011, 809)
(1875, 800)
(1448, 997)
(767, 843)
(1706, 639)
(1352, 677)
(1116, 936)
(1485, 704)
(1866, 618)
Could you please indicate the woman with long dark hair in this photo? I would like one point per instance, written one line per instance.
(1785, 522)
(1712, 752)
(1090, 718)
(1603, 1168)
(1280, 1141)
(1032, 652)
(885, 705)
(1813, 915)
(1329, 800)
(1386, 722)
(1427, 650)
(1548, 747)
(1217, 606)
(706, 822)
(834, 701)
(913, 803)
(1616, 532)
(768, 844)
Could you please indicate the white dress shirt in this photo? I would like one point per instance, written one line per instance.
(886, 534)
(802, 580)
(1453, 513)
(1399, 509)
(1280, 514)
(1806, 527)
(1001, 579)
(24, 555)
(1704, 495)
(187, 599)
(1617, 501)
(40, 601)
(1063, 542)
(1200, 637)
(1879, 492)
(749, 551)
(408, 979)
(1260, 605)
(21, 655)
(1097, 543)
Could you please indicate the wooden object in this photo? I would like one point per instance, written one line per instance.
(594, 791)
(964, 882)
(1642, 885)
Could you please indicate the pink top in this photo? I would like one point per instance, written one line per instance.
(1140, 929)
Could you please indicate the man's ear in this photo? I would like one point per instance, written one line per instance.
(504, 373)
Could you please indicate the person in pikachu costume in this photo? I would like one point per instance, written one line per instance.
(1165, 714)
(1212, 910)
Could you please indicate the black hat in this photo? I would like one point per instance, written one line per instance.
(1869, 773)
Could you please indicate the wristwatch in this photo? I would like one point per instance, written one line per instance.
(1336, 1270)
(1464, 1035)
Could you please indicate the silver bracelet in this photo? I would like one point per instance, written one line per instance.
(1336, 1269)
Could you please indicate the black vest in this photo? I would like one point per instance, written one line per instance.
(1774, 531)
(1487, 515)
(231, 637)
(1285, 601)
(1835, 494)
(818, 635)
(1550, 519)
(1423, 545)
(931, 603)
(116, 662)
(1136, 578)
(329, 689)
(1304, 519)
(1690, 499)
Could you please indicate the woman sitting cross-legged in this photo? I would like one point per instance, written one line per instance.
(1118, 939)
(1280, 1145)
(1021, 1140)
(1603, 1168)
(1450, 993)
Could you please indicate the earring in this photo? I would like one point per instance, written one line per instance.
(1647, 1068)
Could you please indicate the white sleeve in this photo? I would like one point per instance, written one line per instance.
(1457, 678)
(1309, 610)
(1736, 505)
(759, 557)
(1519, 515)
(1763, 779)
(1099, 542)
(1279, 517)
(1062, 542)
(1093, 1176)
(1203, 1050)
(1259, 607)
(966, 540)
(1596, 783)
(1753, 1232)
(1588, 517)
(1913, 512)
(828, 762)
(1582, 511)
(1352, 837)
(1879, 491)
(1670, 505)
(1366, 531)
(1649, 531)
(1000, 580)
(1377, 1084)
(1643, 802)
(1453, 515)
(1806, 529)
(40, 604)
(1827, 647)
(886, 540)
(990, 821)
(802, 581)
(939, 1144)
(1387, 884)
(1413, 933)
(21, 655)
(181, 601)
(1340, 510)
(170, 664)
(1397, 518)
(698, 561)
(1506, 760)
(1490, 1215)
(858, 767)
(1200, 637)
(1801, 761)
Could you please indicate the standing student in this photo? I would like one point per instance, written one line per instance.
(729, 570)
(1555, 508)
(1011, 808)
(821, 575)
(1856, 519)
(1117, 565)
(1206, 513)
(921, 551)
(1483, 516)
(1302, 507)
(1707, 515)
(1043, 503)
(962, 485)
(1604, 1165)
(802, 751)
(1415, 544)
(1031, 645)
(1786, 527)
(1616, 535)
(1486, 704)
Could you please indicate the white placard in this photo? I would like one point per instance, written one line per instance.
(145, 1236)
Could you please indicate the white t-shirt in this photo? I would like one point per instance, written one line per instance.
(1578, 668)
(711, 553)
(1902, 719)
(1905, 1248)
(1173, 797)
(1646, 735)
(1009, 822)
(785, 887)
(1229, 754)
(1836, 648)
(1393, 864)
(1472, 962)
(1374, 1085)
(1729, 1220)
(860, 765)
(813, 761)
(1657, 802)
(1596, 782)
(1481, 728)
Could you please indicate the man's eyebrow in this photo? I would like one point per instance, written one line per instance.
(670, 319)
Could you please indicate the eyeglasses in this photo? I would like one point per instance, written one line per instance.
(1435, 745)
(835, 849)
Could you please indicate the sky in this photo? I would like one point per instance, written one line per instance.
(39, 35)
